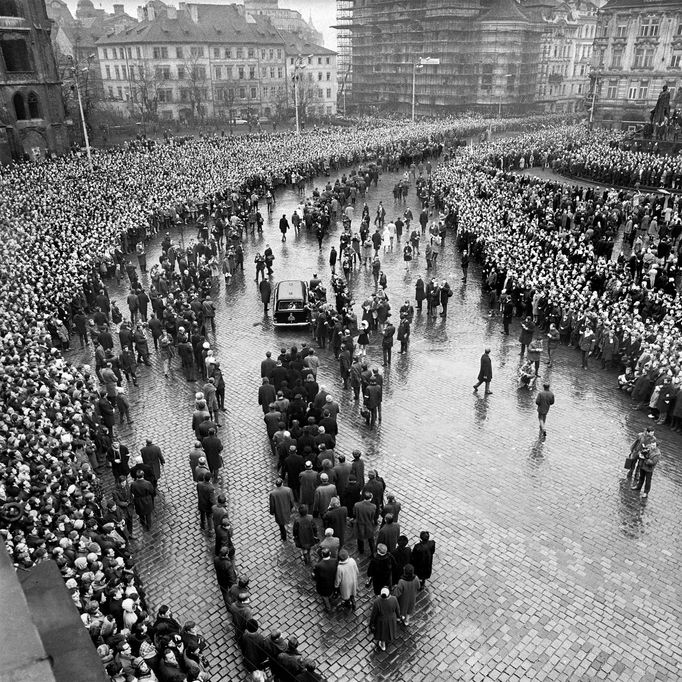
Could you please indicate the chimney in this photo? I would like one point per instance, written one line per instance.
(142, 14)
(171, 12)
(118, 9)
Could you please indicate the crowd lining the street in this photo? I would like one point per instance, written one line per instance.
(545, 248)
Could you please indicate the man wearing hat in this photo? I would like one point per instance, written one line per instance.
(241, 613)
(224, 571)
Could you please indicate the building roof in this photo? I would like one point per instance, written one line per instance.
(216, 24)
(293, 45)
(649, 5)
(505, 10)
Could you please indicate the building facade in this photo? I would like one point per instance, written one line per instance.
(31, 111)
(637, 50)
(194, 62)
(563, 81)
(313, 68)
(495, 55)
(289, 20)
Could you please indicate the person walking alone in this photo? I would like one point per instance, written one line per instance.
(544, 400)
(485, 374)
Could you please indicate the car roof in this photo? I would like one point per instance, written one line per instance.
(291, 289)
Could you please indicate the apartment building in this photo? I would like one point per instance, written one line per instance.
(637, 50)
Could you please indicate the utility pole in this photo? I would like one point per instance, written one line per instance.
(419, 64)
(75, 67)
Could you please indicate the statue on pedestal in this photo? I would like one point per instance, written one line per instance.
(661, 111)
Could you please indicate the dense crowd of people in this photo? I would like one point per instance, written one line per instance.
(548, 254)
(545, 247)
(67, 231)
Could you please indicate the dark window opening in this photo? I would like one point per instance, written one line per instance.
(33, 105)
(15, 54)
(8, 8)
(19, 106)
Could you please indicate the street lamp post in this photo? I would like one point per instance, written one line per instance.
(75, 67)
(419, 64)
(594, 99)
(298, 67)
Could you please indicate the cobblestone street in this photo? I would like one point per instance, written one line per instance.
(547, 565)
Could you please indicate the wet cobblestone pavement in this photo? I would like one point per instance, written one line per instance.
(547, 565)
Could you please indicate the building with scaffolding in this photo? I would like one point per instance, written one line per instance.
(490, 53)
(344, 24)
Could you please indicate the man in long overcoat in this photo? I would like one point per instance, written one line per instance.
(152, 456)
(281, 504)
(143, 498)
(485, 374)
(364, 513)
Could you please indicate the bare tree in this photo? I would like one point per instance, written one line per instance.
(144, 85)
(197, 90)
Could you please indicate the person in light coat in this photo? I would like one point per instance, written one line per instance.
(347, 575)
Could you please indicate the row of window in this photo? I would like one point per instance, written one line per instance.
(636, 89)
(649, 27)
(643, 59)
(165, 95)
(168, 114)
(198, 51)
(198, 72)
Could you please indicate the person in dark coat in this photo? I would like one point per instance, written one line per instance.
(305, 533)
(420, 293)
(527, 332)
(365, 515)
(213, 446)
(351, 495)
(224, 571)
(383, 622)
(402, 555)
(281, 504)
(265, 294)
(143, 498)
(292, 468)
(123, 498)
(291, 660)
(117, 456)
(380, 569)
(266, 394)
(485, 374)
(422, 557)
(223, 537)
(253, 647)
(308, 484)
(153, 457)
(324, 574)
(389, 533)
(106, 412)
(206, 500)
(336, 518)
(357, 467)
